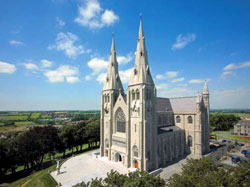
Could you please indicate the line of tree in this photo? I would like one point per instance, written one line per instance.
(223, 122)
(29, 148)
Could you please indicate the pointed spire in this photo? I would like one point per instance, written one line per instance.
(205, 90)
(113, 81)
(141, 73)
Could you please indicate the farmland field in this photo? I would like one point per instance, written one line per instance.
(35, 115)
(24, 123)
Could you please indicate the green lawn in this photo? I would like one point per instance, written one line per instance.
(228, 135)
(46, 117)
(40, 178)
(16, 117)
(24, 123)
(35, 115)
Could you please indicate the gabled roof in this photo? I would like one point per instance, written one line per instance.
(177, 105)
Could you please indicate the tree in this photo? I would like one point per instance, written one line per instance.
(223, 122)
(133, 179)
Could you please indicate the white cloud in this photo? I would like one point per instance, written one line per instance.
(197, 81)
(66, 42)
(227, 74)
(7, 68)
(161, 86)
(72, 79)
(97, 65)
(178, 80)
(93, 16)
(87, 77)
(59, 23)
(101, 77)
(109, 17)
(31, 66)
(46, 63)
(237, 66)
(233, 98)
(168, 74)
(61, 73)
(177, 92)
(124, 59)
(125, 75)
(182, 41)
(15, 42)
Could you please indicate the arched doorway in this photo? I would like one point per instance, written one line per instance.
(118, 157)
(136, 164)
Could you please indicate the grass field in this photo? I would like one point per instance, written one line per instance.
(228, 135)
(14, 117)
(35, 115)
(46, 117)
(40, 178)
(24, 123)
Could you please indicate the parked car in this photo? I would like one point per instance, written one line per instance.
(247, 154)
(213, 146)
(235, 159)
(241, 144)
(224, 141)
(243, 151)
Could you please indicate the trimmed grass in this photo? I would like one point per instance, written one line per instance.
(35, 115)
(16, 117)
(24, 123)
(46, 117)
(228, 135)
(40, 178)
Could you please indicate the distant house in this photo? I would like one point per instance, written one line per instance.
(242, 128)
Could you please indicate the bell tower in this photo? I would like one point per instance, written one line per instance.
(141, 99)
(110, 92)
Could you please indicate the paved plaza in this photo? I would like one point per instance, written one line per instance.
(84, 167)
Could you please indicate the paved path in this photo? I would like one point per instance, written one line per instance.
(84, 167)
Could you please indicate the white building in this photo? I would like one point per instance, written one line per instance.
(142, 130)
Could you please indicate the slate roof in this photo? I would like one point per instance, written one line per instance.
(162, 130)
(178, 105)
(242, 123)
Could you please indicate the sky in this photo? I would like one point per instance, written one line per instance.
(54, 53)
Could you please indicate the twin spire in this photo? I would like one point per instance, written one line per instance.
(141, 73)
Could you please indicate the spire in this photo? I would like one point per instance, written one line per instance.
(205, 90)
(141, 73)
(113, 80)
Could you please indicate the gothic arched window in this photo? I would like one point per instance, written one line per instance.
(120, 121)
(190, 119)
(135, 151)
(190, 141)
(108, 98)
(133, 95)
(137, 94)
(106, 143)
(178, 119)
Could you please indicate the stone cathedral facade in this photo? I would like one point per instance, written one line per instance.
(142, 130)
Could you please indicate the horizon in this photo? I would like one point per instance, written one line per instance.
(54, 53)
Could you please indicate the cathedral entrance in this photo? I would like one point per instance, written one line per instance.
(136, 164)
(118, 157)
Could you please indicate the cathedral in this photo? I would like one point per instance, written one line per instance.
(142, 130)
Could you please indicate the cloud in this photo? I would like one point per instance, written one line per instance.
(182, 41)
(177, 92)
(62, 73)
(31, 66)
(232, 98)
(59, 23)
(178, 80)
(109, 17)
(197, 81)
(124, 59)
(66, 42)
(168, 74)
(46, 63)
(237, 66)
(227, 74)
(161, 86)
(15, 42)
(87, 77)
(93, 16)
(97, 65)
(124, 75)
(7, 68)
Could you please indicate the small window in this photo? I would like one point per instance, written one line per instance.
(190, 141)
(178, 119)
(135, 151)
(133, 95)
(141, 53)
(190, 119)
(137, 94)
